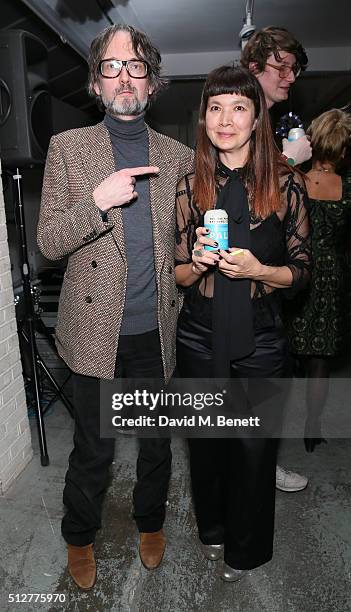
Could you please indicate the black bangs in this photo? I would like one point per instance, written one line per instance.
(233, 80)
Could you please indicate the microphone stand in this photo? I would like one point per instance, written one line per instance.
(25, 271)
(34, 323)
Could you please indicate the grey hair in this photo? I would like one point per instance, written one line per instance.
(143, 48)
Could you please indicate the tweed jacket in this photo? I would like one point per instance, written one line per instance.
(70, 224)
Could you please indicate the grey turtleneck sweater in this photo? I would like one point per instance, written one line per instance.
(130, 145)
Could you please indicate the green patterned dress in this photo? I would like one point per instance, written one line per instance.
(319, 319)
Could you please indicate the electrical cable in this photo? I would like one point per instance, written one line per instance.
(103, 6)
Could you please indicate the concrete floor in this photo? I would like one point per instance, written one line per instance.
(310, 571)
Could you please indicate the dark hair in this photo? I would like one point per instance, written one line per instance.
(143, 48)
(260, 174)
(272, 40)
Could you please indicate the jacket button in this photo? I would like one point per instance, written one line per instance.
(170, 269)
(94, 264)
(173, 303)
(88, 299)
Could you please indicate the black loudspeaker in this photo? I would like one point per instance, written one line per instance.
(25, 103)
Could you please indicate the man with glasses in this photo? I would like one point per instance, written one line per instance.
(276, 58)
(108, 203)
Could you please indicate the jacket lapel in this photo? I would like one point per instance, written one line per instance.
(162, 206)
(99, 164)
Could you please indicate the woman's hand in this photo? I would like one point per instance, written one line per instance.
(239, 263)
(203, 259)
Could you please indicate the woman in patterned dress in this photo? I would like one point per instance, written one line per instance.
(318, 319)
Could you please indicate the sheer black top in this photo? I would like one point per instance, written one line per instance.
(282, 239)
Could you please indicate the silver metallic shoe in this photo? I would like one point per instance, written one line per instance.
(213, 552)
(229, 574)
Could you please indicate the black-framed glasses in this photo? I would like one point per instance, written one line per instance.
(285, 69)
(111, 68)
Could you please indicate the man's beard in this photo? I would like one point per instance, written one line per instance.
(128, 106)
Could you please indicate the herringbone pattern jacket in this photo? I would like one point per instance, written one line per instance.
(93, 291)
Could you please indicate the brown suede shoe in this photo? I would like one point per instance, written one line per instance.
(81, 565)
(151, 549)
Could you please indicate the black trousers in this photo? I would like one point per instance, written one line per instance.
(88, 473)
(233, 480)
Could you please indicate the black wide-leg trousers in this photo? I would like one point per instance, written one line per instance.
(88, 474)
(233, 479)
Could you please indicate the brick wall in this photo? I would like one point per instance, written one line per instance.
(15, 439)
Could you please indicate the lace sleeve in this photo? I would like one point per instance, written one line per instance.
(187, 220)
(297, 232)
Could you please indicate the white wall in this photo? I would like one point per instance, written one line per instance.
(15, 438)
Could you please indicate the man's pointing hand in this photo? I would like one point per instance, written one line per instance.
(119, 188)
